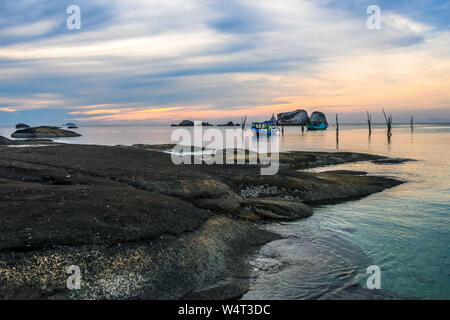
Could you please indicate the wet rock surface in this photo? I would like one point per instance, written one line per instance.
(391, 160)
(8, 142)
(141, 227)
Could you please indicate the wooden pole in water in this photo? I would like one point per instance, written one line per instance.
(337, 131)
(243, 121)
(369, 122)
(337, 126)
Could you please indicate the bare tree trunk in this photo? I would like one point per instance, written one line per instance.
(388, 123)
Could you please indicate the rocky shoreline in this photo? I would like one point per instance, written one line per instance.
(140, 227)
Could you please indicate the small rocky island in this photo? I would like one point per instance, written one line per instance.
(140, 227)
(43, 132)
(229, 124)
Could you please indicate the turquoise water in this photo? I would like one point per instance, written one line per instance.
(404, 230)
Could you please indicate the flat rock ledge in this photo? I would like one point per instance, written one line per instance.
(24, 142)
(140, 227)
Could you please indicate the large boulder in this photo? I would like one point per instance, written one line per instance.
(317, 116)
(297, 117)
(22, 126)
(44, 132)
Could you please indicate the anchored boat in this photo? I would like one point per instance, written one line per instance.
(322, 125)
(268, 128)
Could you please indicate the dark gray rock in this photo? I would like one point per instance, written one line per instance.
(228, 124)
(280, 209)
(297, 117)
(391, 160)
(44, 132)
(22, 126)
(141, 227)
(317, 116)
(5, 141)
(184, 123)
(8, 142)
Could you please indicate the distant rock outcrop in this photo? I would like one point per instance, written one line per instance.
(44, 132)
(317, 116)
(184, 123)
(228, 124)
(22, 126)
(297, 117)
(190, 123)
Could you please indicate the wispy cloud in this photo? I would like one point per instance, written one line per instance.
(256, 57)
(37, 28)
(8, 109)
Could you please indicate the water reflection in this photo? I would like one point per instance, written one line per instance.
(404, 230)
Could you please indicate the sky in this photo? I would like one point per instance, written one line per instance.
(162, 61)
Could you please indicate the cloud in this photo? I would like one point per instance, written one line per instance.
(38, 101)
(7, 109)
(31, 29)
(218, 55)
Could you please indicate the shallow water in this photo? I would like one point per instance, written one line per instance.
(404, 230)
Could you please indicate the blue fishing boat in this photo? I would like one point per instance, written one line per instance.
(267, 128)
(322, 125)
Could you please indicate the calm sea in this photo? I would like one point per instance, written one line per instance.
(405, 230)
